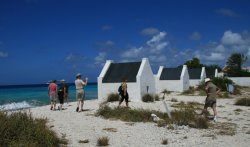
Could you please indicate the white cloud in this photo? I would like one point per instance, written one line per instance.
(132, 53)
(100, 59)
(3, 54)
(73, 57)
(227, 12)
(214, 57)
(149, 31)
(248, 52)
(195, 36)
(160, 58)
(220, 48)
(157, 43)
(230, 38)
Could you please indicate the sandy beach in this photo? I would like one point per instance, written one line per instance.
(76, 126)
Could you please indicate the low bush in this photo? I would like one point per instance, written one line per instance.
(164, 141)
(243, 102)
(156, 97)
(174, 100)
(190, 91)
(113, 97)
(130, 115)
(103, 141)
(148, 98)
(185, 116)
(21, 129)
(222, 83)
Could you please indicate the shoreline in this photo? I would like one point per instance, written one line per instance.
(76, 126)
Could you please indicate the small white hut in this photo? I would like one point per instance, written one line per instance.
(196, 75)
(172, 79)
(139, 75)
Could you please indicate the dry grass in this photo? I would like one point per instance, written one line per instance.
(103, 141)
(243, 102)
(225, 128)
(164, 141)
(110, 129)
(148, 98)
(83, 141)
(112, 97)
(174, 100)
(184, 116)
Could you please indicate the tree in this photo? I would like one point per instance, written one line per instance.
(194, 63)
(236, 60)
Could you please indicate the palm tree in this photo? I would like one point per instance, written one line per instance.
(236, 60)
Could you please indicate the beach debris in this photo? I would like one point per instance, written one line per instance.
(155, 117)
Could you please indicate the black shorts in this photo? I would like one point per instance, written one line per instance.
(210, 102)
(61, 99)
(124, 97)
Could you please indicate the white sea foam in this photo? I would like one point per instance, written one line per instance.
(15, 106)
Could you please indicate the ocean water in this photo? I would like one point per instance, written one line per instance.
(27, 96)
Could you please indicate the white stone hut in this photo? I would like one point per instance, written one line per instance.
(196, 75)
(139, 75)
(172, 79)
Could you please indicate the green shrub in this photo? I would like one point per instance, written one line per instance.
(222, 83)
(113, 97)
(103, 141)
(156, 97)
(243, 102)
(148, 98)
(20, 129)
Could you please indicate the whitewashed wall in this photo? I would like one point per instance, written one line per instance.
(100, 86)
(146, 78)
(172, 85)
(184, 78)
(196, 82)
(242, 81)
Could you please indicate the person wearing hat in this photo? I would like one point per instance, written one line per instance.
(52, 91)
(80, 93)
(212, 90)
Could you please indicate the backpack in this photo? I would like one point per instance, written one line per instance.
(120, 89)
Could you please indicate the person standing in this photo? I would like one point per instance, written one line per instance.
(212, 90)
(124, 93)
(80, 93)
(61, 95)
(52, 92)
(65, 90)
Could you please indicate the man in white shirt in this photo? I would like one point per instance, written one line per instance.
(80, 93)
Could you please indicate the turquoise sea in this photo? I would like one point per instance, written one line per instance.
(14, 97)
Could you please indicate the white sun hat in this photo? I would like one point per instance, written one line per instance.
(207, 80)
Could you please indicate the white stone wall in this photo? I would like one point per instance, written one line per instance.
(101, 94)
(146, 78)
(172, 85)
(242, 81)
(196, 82)
(184, 79)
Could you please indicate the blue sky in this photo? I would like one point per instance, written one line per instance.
(42, 40)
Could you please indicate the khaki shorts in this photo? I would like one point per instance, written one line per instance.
(80, 95)
(53, 98)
